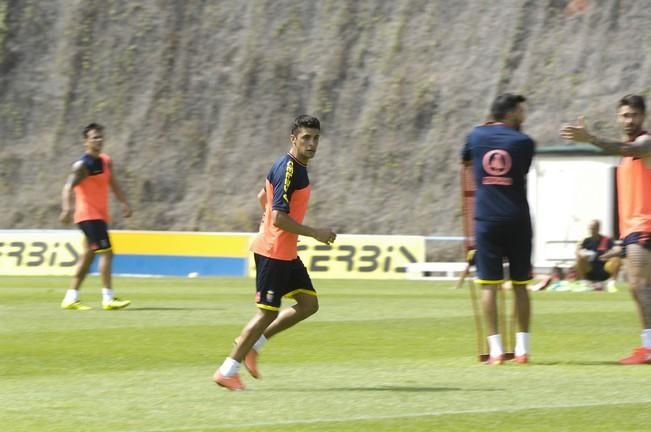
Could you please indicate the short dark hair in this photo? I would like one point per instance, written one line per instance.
(305, 121)
(92, 126)
(504, 104)
(633, 101)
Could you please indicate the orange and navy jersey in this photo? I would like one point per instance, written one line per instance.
(91, 194)
(501, 157)
(288, 190)
(634, 192)
(600, 245)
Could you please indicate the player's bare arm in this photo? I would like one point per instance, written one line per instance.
(283, 221)
(119, 194)
(79, 172)
(262, 198)
(641, 147)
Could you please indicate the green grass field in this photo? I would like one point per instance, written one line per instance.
(379, 356)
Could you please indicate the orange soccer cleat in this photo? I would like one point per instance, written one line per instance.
(640, 355)
(232, 382)
(250, 361)
(494, 361)
(522, 359)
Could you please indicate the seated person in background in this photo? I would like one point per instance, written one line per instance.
(598, 259)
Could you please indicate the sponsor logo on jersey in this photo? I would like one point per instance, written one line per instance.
(497, 164)
(289, 172)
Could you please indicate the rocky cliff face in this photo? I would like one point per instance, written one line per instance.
(198, 96)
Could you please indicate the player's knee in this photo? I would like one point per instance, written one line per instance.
(312, 306)
(266, 316)
(612, 265)
(87, 256)
(521, 292)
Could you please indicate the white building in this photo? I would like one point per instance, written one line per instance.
(568, 186)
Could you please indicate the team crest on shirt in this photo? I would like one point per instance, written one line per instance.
(270, 296)
(497, 163)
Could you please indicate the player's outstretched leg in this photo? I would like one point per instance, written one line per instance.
(71, 299)
(227, 375)
(639, 281)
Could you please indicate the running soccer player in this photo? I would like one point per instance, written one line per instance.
(634, 195)
(87, 191)
(279, 270)
(501, 155)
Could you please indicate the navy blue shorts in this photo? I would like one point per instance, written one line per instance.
(276, 279)
(498, 240)
(641, 238)
(96, 232)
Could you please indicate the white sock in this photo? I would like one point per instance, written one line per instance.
(521, 343)
(257, 346)
(72, 295)
(107, 295)
(495, 345)
(230, 367)
(646, 338)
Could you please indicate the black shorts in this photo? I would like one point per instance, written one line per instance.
(498, 240)
(96, 232)
(597, 272)
(276, 279)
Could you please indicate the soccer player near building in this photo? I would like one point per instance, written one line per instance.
(86, 190)
(279, 270)
(634, 195)
(500, 155)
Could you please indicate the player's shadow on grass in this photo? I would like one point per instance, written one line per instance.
(390, 388)
(393, 388)
(577, 363)
(167, 308)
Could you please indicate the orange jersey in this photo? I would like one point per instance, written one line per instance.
(287, 189)
(634, 192)
(91, 194)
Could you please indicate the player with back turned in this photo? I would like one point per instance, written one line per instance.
(500, 155)
(279, 271)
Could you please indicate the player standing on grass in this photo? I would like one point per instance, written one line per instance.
(279, 270)
(87, 189)
(634, 194)
(501, 155)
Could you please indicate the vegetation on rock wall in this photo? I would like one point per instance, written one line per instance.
(197, 98)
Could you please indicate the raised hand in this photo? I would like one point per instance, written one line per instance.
(576, 132)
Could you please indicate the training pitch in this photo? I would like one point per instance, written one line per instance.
(379, 356)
